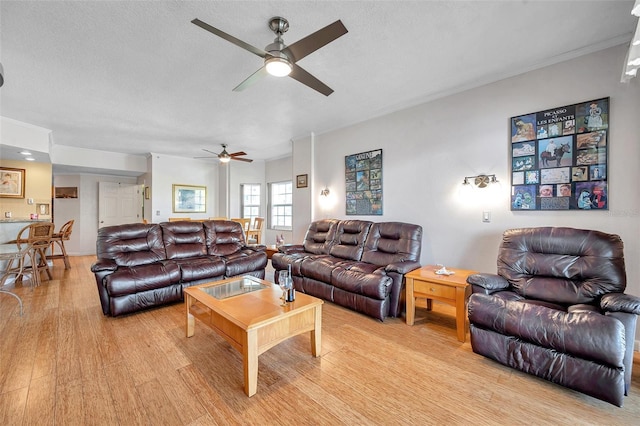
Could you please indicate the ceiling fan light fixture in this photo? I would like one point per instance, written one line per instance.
(224, 158)
(278, 67)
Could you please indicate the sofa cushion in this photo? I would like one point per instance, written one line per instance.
(392, 242)
(281, 261)
(200, 268)
(349, 239)
(243, 261)
(223, 237)
(131, 245)
(319, 236)
(319, 268)
(362, 278)
(583, 334)
(183, 239)
(136, 279)
(562, 265)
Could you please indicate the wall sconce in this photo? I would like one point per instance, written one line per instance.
(481, 181)
(324, 192)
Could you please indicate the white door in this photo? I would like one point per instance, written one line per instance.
(119, 203)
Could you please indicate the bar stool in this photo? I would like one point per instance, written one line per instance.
(59, 238)
(38, 237)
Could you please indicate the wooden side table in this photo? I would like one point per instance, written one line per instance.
(450, 289)
(271, 250)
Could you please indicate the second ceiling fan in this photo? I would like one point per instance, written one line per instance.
(280, 59)
(225, 157)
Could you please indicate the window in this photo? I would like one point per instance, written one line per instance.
(250, 204)
(281, 205)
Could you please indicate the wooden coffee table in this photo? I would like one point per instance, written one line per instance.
(450, 289)
(246, 312)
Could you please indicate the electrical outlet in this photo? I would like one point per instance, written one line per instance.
(486, 217)
(7, 215)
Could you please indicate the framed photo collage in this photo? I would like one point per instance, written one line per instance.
(559, 158)
(363, 180)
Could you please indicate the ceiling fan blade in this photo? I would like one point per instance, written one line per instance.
(206, 157)
(246, 160)
(315, 41)
(235, 154)
(210, 152)
(298, 73)
(251, 80)
(230, 38)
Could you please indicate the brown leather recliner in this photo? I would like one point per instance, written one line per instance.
(557, 310)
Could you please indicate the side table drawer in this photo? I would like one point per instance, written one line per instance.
(432, 289)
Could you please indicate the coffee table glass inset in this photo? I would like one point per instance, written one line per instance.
(234, 288)
(253, 321)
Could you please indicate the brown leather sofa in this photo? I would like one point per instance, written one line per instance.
(144, 265)
(354, 263)
(557, 309)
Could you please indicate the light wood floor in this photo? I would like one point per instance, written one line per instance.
(65, 363)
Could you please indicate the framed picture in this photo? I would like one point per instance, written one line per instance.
(189, 199)
(147, 193)
(301, 181)
(66, 192)
(559, 158)
(363, 183)
(12, 182)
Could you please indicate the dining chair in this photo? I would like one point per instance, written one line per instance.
(63, 234)
(244, 222)
(255, 233)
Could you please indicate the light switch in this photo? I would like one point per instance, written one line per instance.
(157, 212)
(486, 217)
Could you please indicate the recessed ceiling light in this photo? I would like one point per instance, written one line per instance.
(30, 159)
(25, 153)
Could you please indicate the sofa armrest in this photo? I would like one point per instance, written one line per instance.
(104, 265)
(402, 267)
(291, 248)
(620, 302)
(487, 283)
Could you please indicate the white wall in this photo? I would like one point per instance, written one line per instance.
(428, 149)
(97, 160)
(302, 197)
(24, 135)
(66, 209)
(84, 209)
(167, 170)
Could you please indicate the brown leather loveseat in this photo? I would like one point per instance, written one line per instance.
(354, 263)
(144, 265)
(557, 310)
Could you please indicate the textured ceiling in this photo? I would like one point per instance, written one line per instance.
(138, 76)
